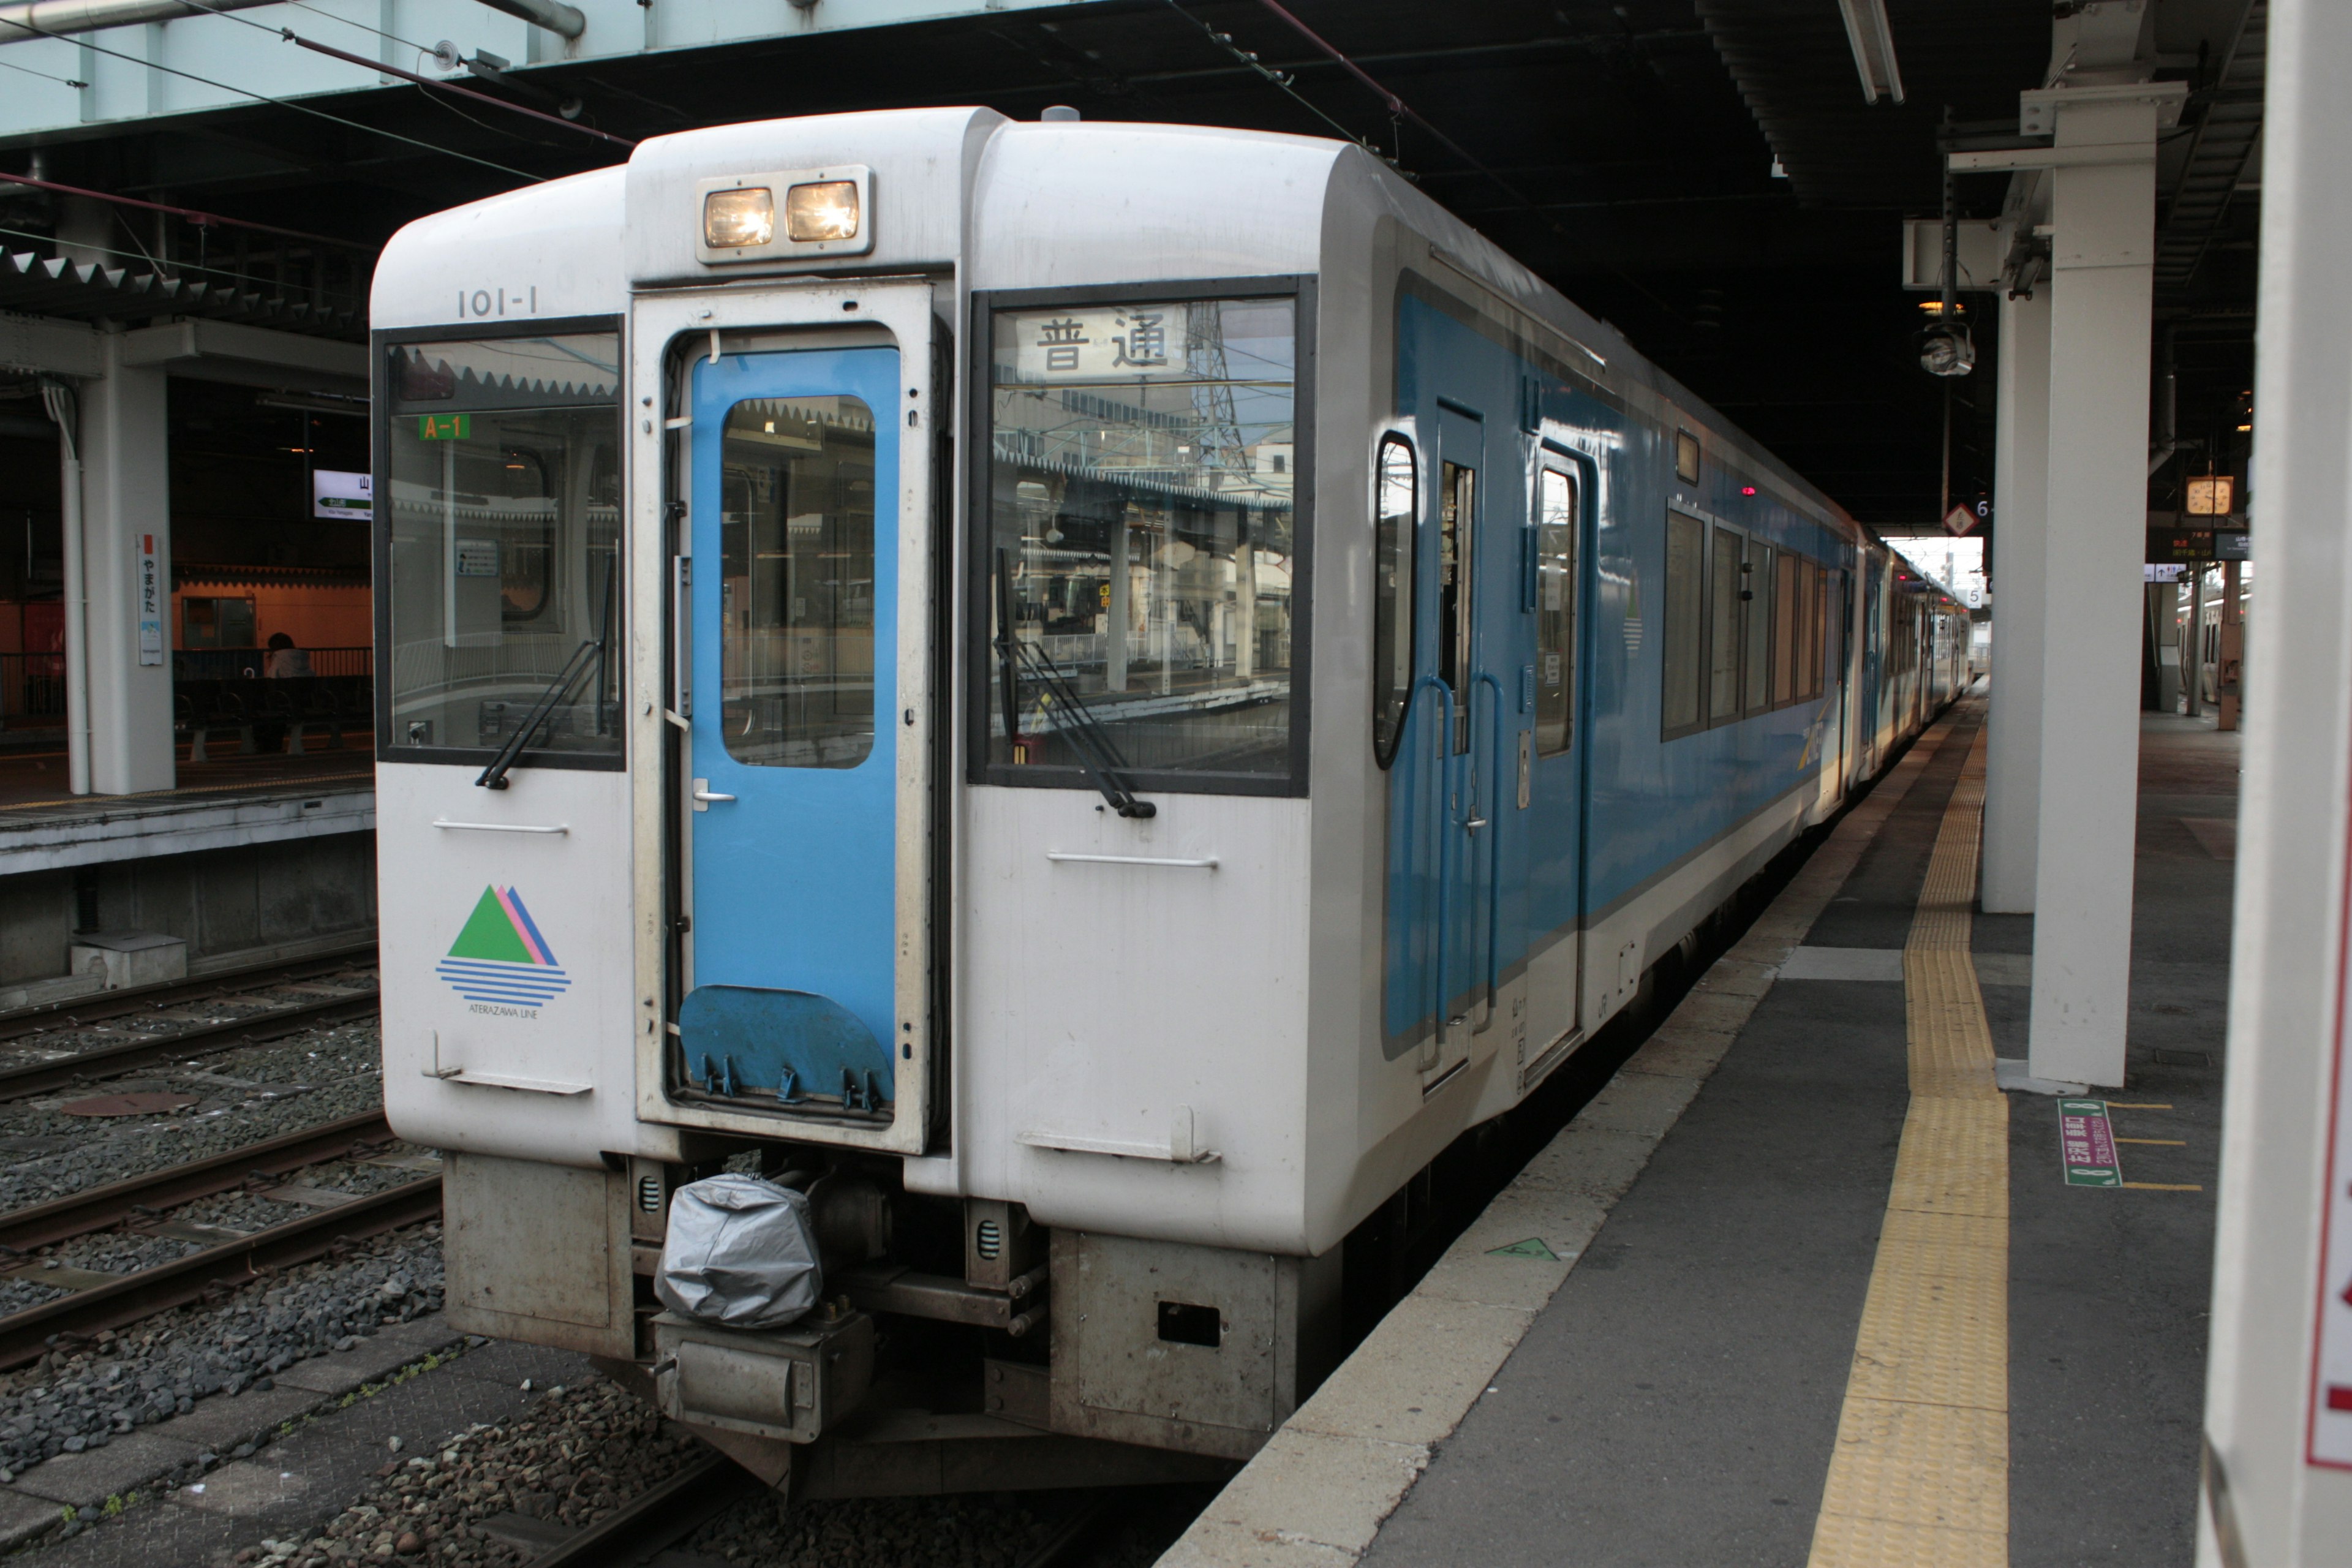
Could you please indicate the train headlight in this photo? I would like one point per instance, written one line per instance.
(733, 219)
(826, 210)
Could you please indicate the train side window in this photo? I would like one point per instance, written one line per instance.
(1685, 649)
(1757, 665)
(1724, 619)
(1686, 457)
(1784, 628)
(1396, 502)
(1554, 611)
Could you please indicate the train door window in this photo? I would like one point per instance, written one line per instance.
(797, 599)
(1396, 502)
(1800, 635)
(1784, 628)
(1724, 620)
(1685, 649)
(1555, 611)
(1817, 636)
(1756, 663)
(1457, 510)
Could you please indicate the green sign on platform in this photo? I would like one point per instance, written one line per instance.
(1532, 1246)
(444, 427)
(2086, 1144)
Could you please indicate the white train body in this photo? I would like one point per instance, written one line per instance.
(1199, 1046)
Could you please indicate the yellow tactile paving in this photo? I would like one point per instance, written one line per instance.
(1920, 1474)
(1953, 1158)
(1945, 1464)
(1842, 1543)
(1933, 1338)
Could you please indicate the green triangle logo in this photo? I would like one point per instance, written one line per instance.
(1532, 1246)
(490, 934)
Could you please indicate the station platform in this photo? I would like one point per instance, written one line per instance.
(1805, 1284)
(218, 803)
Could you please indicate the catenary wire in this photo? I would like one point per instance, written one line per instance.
(194, 214)
(282, 103)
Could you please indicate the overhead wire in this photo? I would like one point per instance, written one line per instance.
(1400, 111)
(61, 81)
(279, 103)
(196, 215)
(289, 36)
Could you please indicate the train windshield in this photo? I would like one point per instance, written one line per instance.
(502, 461)
(1141, 538)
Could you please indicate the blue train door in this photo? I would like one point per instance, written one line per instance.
(1548, 834)
(1464, 714)
(792, 598)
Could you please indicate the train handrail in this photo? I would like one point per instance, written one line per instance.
(1445, 842)
(1494, 849)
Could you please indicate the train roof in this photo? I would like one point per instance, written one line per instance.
(1003, 203)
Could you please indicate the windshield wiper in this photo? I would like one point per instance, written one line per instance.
(587, 655)
(1098, 754)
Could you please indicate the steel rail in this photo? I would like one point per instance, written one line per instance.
(104, 1061)
(656, 1518)
(79, 1213)
(25, 1335)
(98, 1007)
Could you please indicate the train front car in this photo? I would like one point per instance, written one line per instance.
(1081, 700)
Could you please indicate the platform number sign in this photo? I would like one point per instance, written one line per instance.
(2330, 1441)
(444, 427)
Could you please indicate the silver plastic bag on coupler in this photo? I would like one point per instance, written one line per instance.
(740, 1253)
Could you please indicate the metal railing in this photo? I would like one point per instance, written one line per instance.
(33, 685)
(32, 689)
(250, 663)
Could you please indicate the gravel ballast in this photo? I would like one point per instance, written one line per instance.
(245, 1096)
(68, 1402)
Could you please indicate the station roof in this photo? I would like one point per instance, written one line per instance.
(1704, 173)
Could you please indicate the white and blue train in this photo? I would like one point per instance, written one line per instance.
(1092, 697)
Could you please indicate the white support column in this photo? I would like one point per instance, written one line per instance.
(2281, 1330)
(2103, 208)
(2020, 485)
(127, 565)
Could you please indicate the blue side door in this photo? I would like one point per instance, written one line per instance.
(793, 609)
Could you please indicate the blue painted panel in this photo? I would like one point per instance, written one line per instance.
(785, 1045)
(1623, 806)
(795, 880)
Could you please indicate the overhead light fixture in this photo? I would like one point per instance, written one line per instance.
(1946, 349)
(1874, 50)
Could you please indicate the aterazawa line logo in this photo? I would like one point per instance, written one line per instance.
(500, 956)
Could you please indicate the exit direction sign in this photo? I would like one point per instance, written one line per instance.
(2087, 1142)
(444, 427)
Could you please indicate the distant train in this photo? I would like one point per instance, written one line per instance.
(1089, 696)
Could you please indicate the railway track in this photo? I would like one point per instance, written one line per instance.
(229, 985)
(140, 1200)
(337, 1004)
(671, 1510)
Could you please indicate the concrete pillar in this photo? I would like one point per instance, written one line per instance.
(2280, 1442)
(2020, 485)
(126, 566)
(2103, 208)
